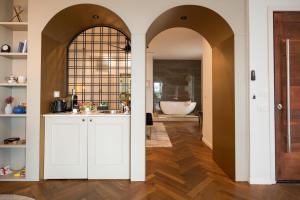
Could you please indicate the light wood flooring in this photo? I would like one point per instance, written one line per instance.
(185, 171)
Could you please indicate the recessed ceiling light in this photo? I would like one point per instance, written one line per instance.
(95, 16)
(184, 17)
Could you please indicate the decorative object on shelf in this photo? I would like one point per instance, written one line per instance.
(8, 107)
(12, 79)
(24, 104)
(5, 48)
(12, 140)
(20, 173)
(5, 171)
(19, 109)
(22, 79)
(18, 10)
(22, 48)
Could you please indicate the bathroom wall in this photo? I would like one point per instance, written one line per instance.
(180, 81)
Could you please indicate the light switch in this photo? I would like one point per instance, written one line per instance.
(56, 94)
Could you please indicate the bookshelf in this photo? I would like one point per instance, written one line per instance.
(14, 62)
(14, 55)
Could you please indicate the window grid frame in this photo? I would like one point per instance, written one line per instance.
(86, 70)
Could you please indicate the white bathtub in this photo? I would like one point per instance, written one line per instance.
(177, 107)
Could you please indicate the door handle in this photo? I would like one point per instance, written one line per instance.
(279, 106)
(83, 120)
(288, 91)
(91, 120)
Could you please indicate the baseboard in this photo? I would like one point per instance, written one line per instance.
(261, 181)
(207, 143)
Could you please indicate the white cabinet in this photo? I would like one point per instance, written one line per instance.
(65, 148)
(108, 148)
(93, 147)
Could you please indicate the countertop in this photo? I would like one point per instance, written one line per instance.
(85, 114)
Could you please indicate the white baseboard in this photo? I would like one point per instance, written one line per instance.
(261, 181)
(204, 140)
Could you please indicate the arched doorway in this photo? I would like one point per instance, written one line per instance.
(221, 37)
(58, 34)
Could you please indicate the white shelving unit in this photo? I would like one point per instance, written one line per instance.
(11, 177)
(12, 146)
(12, 115)
(13, 125)
(14, 55)
(13, 85)
(15, 26)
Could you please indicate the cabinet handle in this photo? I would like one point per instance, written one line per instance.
(91, 120)
(83, 120)
(288, 64)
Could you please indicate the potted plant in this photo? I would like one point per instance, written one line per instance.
(8, 107)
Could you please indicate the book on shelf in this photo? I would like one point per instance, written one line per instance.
(22, 48)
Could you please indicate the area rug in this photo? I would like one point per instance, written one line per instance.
(159, 136)
(13, 197)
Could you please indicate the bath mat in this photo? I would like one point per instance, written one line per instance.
(159, 136)
(13, 197)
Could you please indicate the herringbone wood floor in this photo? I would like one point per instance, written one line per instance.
(185, 171)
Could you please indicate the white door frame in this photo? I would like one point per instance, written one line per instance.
(271, 10)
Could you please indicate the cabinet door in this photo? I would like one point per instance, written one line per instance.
(65, 148)
(108, 147)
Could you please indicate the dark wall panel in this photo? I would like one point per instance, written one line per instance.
(181, 81)
(223, 106)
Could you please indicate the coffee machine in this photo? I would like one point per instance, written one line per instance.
(58, 105)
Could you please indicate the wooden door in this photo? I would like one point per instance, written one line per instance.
(287, 95)
(108, 147)
(65, 148)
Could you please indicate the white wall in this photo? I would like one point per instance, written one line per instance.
(207, 129)
(138, 16)
(262, 131)
(149, 82)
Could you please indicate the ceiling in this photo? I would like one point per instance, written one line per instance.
(177, 44)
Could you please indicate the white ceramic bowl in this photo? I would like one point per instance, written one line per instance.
(22, 79)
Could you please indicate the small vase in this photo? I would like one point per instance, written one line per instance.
(8, 109)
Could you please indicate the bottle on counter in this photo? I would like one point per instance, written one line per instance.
(74, 101)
